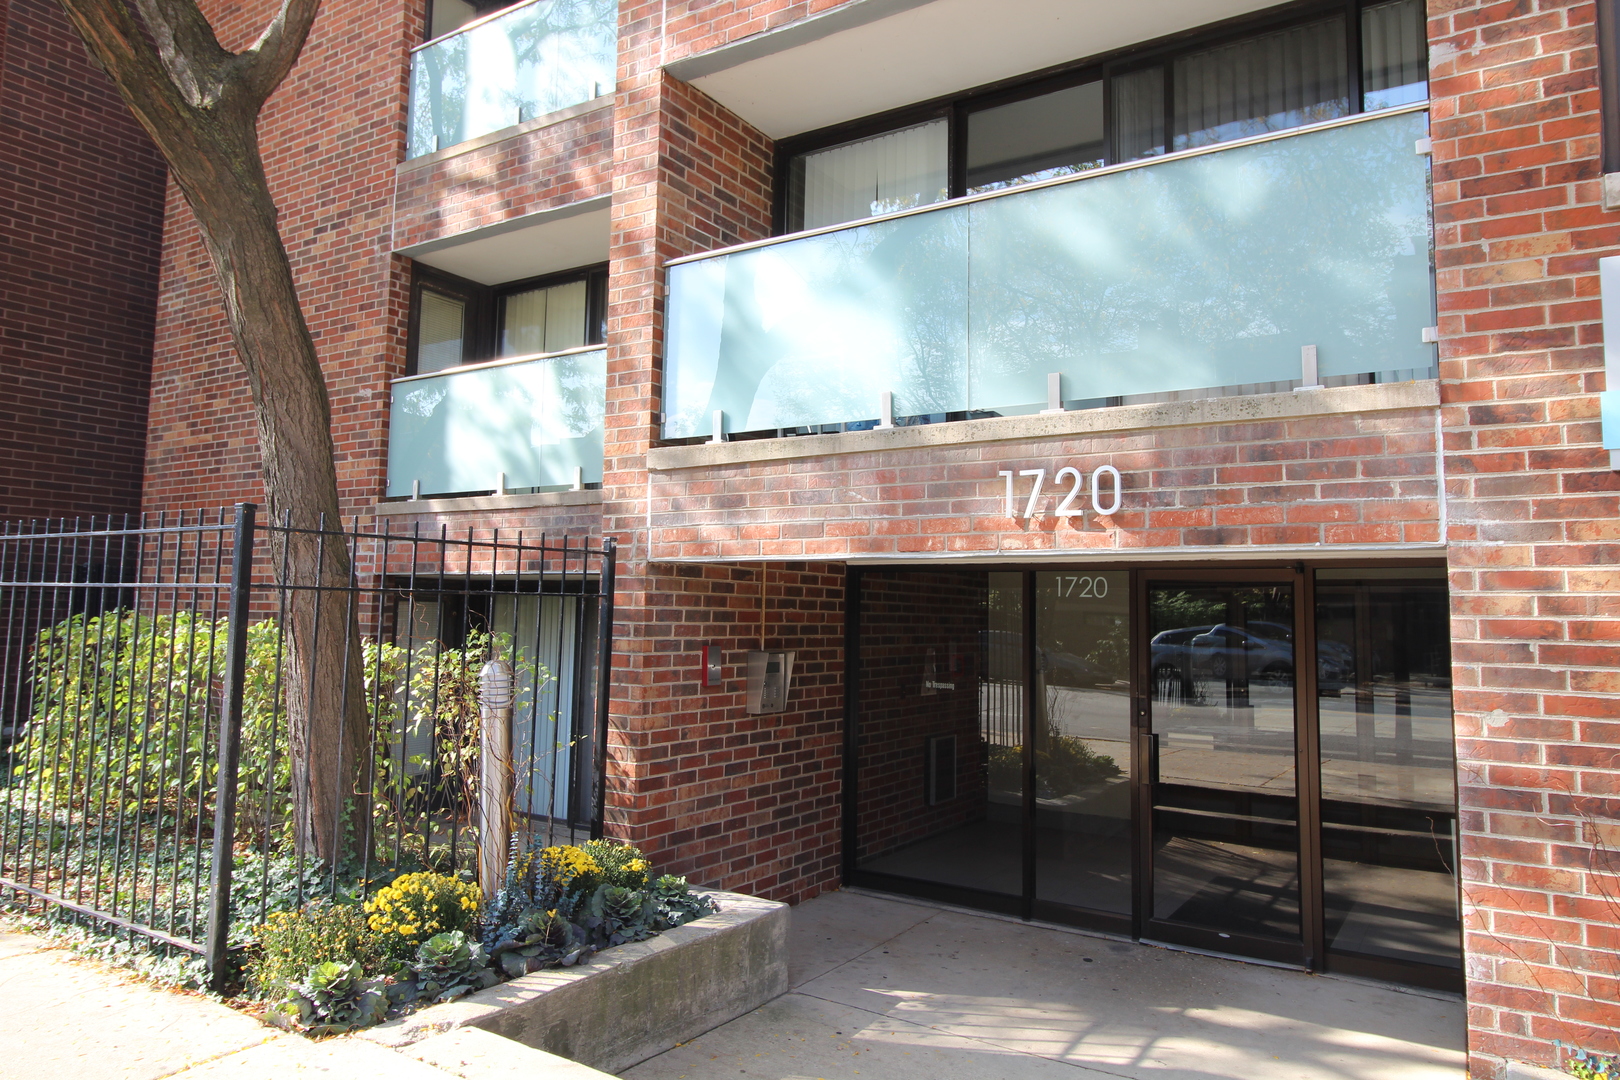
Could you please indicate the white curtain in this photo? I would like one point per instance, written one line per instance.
(1394, 54)
(895, 171)
(1267, 83)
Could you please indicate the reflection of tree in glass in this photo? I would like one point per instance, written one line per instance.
(1300, 238)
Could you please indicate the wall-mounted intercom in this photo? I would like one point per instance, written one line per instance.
(709, 672)
(770, 677)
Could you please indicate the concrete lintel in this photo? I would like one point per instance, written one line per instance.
(1201, 412)
(467, 146)
(1091, 556)
(488, 503)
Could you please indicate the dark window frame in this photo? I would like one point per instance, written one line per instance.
(486, 308)
(1158, 52)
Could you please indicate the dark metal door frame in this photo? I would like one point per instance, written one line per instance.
(1306, 762)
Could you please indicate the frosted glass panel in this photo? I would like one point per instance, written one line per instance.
(1209, 271)
(811, 331)
(535, 421)
(895, 171)
(529, 61)
(1201, 272)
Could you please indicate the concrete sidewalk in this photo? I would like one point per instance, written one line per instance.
(885, 989)
(68, 1018)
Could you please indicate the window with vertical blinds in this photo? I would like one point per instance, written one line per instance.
(1191, 95)
(880, 175)
(1394, 55)
(1267, 83)
(440, 332)
(544, 320)
(458, 321)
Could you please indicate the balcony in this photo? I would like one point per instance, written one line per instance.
(518, 425)
(524, 62)
(1286, 260)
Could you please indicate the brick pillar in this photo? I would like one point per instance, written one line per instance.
(1534, 536)
(746, 802)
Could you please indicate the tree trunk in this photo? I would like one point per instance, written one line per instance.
(200, 103)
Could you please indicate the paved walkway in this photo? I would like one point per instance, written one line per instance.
(884, 989)
(67, 1018)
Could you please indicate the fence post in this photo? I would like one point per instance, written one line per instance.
(604, 680)
(230, 742)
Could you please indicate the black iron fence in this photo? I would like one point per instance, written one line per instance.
(208, 718)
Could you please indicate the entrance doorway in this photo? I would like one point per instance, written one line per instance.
(1253, 762)
(1220, 792)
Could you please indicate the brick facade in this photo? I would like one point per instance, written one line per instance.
(334, 132)
(81, 188)
(1535, 521)
(743, 546)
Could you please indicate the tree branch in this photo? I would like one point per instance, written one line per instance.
(191, 54)
(127, 55)
(262, 65)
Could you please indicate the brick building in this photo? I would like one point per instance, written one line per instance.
(81, 194)
(1159, 448)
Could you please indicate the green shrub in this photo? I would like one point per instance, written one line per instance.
(292, 942)
(1585, 1065)
(332, 998)
(418, 906)
(127, 704)
(622, 865)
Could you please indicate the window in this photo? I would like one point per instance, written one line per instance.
(867, 177)
(447, 16)
(1286, 71)
(1037, 138)
(455, 321)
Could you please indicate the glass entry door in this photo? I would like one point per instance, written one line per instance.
(1220, 795)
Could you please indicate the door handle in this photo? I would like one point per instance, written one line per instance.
(1149, 750)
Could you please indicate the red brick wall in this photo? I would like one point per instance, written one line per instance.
(1332, 480)
(747, 802)
(81, 188)
(551, 166)
(331, 136)
(1534, 534)
(750, 803)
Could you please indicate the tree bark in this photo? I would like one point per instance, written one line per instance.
(200, 103)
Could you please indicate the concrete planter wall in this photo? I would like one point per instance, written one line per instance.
(633, 1001)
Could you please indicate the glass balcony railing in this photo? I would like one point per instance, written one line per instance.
(524, 62)
(527, 424)
(1207, 270)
